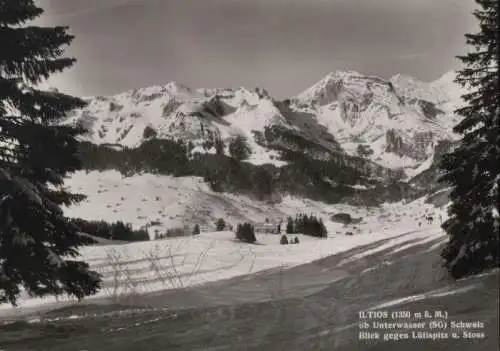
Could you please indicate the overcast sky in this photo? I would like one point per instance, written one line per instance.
(281, 45)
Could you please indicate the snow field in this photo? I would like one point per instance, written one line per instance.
(137, 268)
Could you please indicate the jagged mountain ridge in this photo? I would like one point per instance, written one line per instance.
(177, 112)
(401, 119)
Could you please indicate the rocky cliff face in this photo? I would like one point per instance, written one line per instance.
(418, 146)
(401, 119)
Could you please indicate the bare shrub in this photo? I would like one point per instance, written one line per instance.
(122, 282)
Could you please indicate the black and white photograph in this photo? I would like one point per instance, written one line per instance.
(249, 175)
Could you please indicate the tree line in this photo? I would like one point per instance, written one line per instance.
(111, 231)
(307, 225)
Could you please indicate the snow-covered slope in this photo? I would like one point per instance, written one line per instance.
(174, 111)
(181, 262)
(399, 121)
(171, 202)
(166, 202)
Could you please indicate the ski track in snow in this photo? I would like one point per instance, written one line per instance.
(428, 295)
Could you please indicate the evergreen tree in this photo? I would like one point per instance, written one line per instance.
(323, 233)
(220, 225)
(38, 244)
(364, 150)
(245, 232)
(284, 240)
(263, 182)
(190, 147)
(290, 226)
(238, 148)
(219, 146)
(196, 229)
(306, 225)
(297, 224)
(472, 167)
(309, 225)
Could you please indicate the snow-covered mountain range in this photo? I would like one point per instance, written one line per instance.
(395, 123)
(400, 120)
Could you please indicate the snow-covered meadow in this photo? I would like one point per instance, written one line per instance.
(136, 268)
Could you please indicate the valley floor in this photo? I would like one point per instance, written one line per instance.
(131, 270)
(209, 292)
